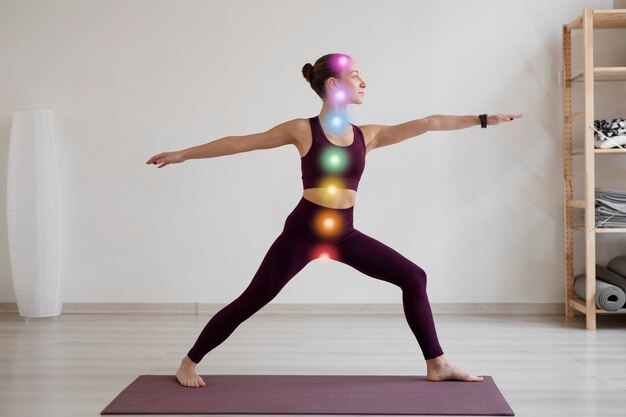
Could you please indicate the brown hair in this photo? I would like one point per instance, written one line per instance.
(325, 67)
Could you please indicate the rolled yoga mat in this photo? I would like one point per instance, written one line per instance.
(618, 265)
(608, 296)
(611, 277)
(310, 394)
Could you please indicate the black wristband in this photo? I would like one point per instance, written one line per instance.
(483, 120)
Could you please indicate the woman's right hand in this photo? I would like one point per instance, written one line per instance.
(166, 158)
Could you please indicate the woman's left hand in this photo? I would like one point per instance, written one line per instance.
(494, 119)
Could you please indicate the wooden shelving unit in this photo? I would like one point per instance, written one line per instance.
(589, 20)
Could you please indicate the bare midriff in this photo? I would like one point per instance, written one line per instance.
(341, 198)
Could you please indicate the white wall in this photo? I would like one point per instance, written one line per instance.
(481, 210)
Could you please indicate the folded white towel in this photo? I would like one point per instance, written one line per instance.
(610, 142)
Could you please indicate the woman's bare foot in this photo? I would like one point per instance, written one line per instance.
(187, 375)
(439, 369)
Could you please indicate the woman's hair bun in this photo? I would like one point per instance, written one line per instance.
(307, 71)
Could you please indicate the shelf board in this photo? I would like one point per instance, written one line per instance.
(601, 229)
(602, 19)
(610, 230)
(603, 74)
(579, 304)
(609, 151)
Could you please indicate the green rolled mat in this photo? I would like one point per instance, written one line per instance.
(608, 296)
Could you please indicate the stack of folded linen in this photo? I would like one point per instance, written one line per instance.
(610, 208)
(610, 285)
(609, 133)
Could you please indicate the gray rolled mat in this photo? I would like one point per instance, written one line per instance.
(611, 277)
(608, 296)
(311, 394)
(618, 265)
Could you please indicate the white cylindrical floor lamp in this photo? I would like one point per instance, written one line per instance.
(33, 213)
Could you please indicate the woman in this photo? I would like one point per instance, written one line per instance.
(332, 153)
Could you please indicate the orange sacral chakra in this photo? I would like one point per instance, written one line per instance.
(327, 223)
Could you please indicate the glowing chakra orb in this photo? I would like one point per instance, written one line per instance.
(324, 253)
(339, 62)
(331, 184)
(336, 121)
(339, 96)
(334, 160)
(327, 223)
(329, 188)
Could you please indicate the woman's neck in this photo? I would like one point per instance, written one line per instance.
(334, 118)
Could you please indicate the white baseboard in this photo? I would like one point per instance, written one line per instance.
(290, 309)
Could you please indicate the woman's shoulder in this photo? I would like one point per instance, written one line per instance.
(300, 125)
(300, 129)
(295, 126)
(299, 122)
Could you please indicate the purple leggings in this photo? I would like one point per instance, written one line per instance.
(312, 231)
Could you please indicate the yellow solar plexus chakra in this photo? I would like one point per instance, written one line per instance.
(330, 188)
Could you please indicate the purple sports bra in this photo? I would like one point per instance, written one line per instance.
(326, 161)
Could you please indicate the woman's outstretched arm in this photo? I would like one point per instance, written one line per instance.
(445, 122)
(279, 135)
(384, 135)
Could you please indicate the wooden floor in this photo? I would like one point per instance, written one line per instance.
(544, 365)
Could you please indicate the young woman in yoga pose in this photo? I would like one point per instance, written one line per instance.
(332, 153)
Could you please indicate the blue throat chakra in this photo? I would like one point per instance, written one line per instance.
(337, 122)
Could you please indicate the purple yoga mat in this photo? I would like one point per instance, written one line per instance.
(310, 394)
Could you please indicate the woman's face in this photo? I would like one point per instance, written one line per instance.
(350, 86)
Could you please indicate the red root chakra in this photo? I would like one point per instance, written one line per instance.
(324, 252)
